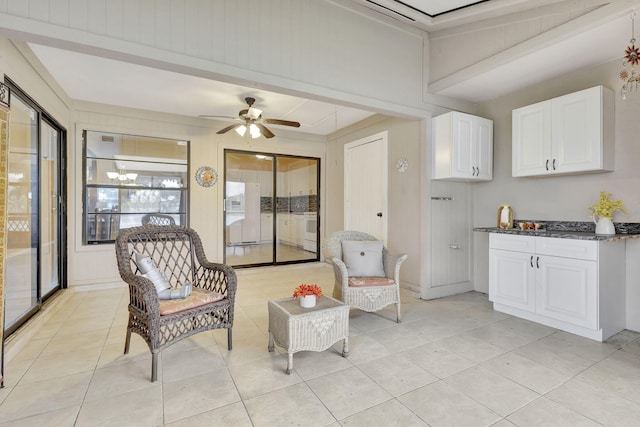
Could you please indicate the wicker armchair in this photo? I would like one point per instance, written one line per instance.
(158, 219)
(368, 298)
(178, 252)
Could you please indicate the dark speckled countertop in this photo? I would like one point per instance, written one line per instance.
(570, 230)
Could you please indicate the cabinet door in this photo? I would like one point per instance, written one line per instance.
(463, 125)
(576, 131)
(531, 138)
(567, 290)
(300, 223)
(284, 228)
(482, 149)
(312, 173)
(512, 279)
(282, 183)
(266, 227)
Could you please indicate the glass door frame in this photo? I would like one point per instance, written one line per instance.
(274, 232)
(61, 223)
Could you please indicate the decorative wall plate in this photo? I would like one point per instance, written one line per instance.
(206, 176)
(402, 165)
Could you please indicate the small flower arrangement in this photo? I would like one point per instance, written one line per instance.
(306, 290)
(606, 207)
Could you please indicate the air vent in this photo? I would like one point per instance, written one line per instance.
(109, 139)
(388, 11)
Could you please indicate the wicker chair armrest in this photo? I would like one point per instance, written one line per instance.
(218, 278)
(392, 263)
(340, 271)
(143, 294)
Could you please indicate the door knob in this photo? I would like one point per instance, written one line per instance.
(379, 214)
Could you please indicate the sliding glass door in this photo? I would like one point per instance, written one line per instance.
(35, 261)
(271, 209)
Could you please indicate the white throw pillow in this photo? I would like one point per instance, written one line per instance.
(363, 258)
(149, 270)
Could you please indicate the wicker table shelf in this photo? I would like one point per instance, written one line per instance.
(313, 329)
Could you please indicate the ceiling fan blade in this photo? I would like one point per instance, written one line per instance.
(282, 122)
(205, 116)
(266, 132)
(228, 128)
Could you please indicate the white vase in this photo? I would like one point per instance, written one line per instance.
(308, 301)
(604, 226)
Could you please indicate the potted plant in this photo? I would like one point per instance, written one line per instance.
(604, 210)
(307, 295)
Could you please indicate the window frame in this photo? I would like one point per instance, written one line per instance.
(123, 189)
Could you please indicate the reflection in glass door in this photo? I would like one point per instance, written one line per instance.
(35, 256)
(271, 209)
(22, 213)
(249, 210)
(49, 198)
(297, 209)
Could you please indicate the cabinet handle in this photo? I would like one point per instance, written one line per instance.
(554, 164)
(538, 262)
(454, 247)
(442, 198)
(546, 165)
(531, 261)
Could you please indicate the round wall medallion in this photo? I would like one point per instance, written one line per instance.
(206, 176)
(402, 165)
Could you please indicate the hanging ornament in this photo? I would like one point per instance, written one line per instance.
(631, 58)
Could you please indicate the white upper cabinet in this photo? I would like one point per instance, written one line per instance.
(462, 147)
(569, 134)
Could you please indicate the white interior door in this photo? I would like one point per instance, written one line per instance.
(365, 194)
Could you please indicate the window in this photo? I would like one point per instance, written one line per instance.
(127, 177)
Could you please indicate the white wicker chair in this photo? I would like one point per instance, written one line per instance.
(367, 298)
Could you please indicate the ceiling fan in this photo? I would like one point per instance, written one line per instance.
(251, 119)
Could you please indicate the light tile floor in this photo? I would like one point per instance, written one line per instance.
(452, 361)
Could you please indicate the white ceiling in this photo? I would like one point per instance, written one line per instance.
(95, 79)
(597, 46)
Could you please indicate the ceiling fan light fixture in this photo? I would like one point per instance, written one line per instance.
(251, 119)
(254, 131)
(254, 113)
(241, 130)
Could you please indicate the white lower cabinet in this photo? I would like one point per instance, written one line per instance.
(266, 227)
(512, 280)
(567, 290)
(574, 285)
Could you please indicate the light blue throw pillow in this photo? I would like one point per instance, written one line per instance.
(363, 258)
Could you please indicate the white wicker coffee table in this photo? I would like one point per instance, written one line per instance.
(312, 329)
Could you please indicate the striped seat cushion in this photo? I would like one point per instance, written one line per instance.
(370, 281)
(197, 298)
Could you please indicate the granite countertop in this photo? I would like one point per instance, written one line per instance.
(570, 230)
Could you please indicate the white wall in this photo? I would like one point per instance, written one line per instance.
(564, 198)
(14, 64)
(95, 264)
(405, 190)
